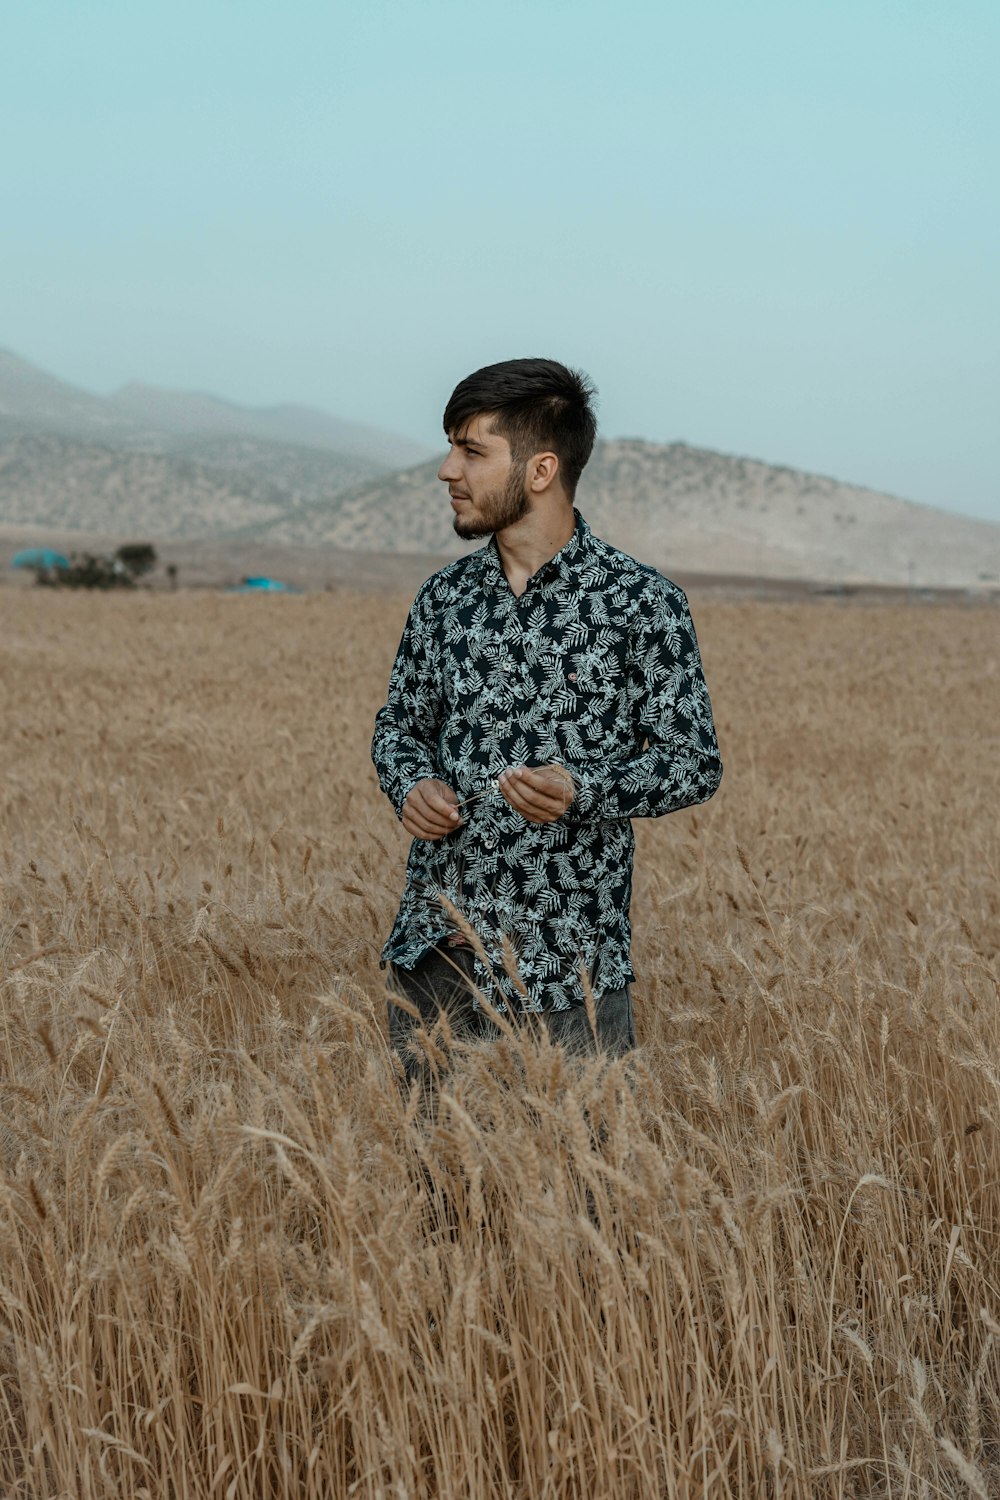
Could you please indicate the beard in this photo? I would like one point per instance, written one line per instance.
(497, 509)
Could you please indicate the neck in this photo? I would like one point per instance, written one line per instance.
(532, 542)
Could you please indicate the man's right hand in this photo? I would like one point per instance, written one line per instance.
(431, 810)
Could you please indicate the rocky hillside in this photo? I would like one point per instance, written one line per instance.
(190, 414)
(695, 511)
(31, 398)
(159, 420)
(183, 465)
(75, 485)
(170, 463)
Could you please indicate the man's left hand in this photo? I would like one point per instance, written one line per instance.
(541, 794)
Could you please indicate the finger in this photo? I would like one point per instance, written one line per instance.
(430, 822)
(557, 783)
(442, 801)
(436, 824)
(532, 811)
(547, 793)
(421, 828)
(529, 790)
(433, 804)
(440, 796)
(519, 791)
(415, 825)
(538, 802)
(532, 775)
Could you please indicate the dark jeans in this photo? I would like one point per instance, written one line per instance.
(442, 981)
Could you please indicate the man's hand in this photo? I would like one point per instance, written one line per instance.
(431, 810)
(541, 794)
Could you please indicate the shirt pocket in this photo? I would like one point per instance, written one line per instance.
(584, 717)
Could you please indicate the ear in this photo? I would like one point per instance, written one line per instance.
(542, 472)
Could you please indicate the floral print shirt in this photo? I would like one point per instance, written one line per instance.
(595, 666)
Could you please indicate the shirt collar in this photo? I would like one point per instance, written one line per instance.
(561, 565)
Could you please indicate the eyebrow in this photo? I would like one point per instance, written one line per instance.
(465, 442)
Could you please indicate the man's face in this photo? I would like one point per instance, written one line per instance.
(487, 487)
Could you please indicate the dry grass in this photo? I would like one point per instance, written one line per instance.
(761, 1261)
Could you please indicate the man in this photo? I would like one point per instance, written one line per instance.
(547, 689)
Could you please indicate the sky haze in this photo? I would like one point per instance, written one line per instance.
(770, 230)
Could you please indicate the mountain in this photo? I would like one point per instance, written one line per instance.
(191, 413)
(70, 484)
(692, 510)
(145, 416)
(161, 464)
(29, 397)
(170, 463)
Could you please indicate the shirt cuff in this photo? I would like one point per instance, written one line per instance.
(406, 787)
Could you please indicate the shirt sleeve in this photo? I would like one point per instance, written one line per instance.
(404, 745)
(680, 765)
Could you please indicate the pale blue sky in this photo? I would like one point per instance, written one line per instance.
(768, 228)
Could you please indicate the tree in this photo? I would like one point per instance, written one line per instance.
(86, 571)
(137, 558)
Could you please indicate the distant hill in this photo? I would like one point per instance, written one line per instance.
(170, 463)
(29, 397)
(163, 420)
(67, 483)
(191, 413)
(164, 464)
(693, 510)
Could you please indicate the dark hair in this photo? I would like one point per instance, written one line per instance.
(537, 405)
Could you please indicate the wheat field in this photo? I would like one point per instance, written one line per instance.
(761, 1258)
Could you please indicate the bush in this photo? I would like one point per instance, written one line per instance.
(87, 571)
(137, 557)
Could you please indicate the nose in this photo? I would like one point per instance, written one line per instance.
(450, 468)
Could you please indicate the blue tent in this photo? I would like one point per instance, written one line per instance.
(39, 557)
(264, 586)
